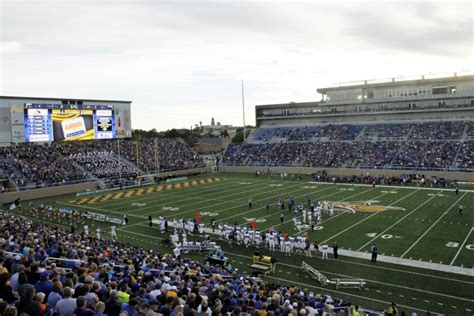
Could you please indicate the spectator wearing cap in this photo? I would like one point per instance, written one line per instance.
(44, 285)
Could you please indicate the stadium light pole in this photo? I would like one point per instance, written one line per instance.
(157, 163)
(120, 160)
(243, 107)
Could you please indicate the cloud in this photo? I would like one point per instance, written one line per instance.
(181, 62)
(10, 47)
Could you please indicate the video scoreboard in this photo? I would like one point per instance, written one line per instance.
(57, 122)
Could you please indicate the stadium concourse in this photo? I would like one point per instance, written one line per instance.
(446, 146)
(32, 166)
(102, 277)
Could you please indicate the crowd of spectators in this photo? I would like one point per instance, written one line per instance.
(407, 155)
(429, 145)
(103, 164)
(305, 133)
(110, 278)
(35, 165)
(172, 155)
(347, 132)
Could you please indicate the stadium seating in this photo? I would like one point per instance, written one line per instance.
(409, 146)
(33, 166)
(127, 278)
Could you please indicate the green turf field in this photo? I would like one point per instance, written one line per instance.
(409, 223)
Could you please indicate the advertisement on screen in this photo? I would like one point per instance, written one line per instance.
(56, 122)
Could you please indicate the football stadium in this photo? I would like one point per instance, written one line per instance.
(359, 203)
(364, 198)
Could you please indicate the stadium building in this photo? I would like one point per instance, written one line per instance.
(384, 127)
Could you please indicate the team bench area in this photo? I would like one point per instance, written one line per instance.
(262, 264)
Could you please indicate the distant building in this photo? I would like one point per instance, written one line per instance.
(382, 100)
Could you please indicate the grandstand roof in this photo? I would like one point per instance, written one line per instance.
(394, 82)
(60, 99)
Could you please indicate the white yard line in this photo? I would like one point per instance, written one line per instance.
(173, 198)
(239, 205)
(342, 212)
(433, 225)
(460, 248)
(396, 223)
(363, 220)
(262, 207)
(369, 280)
(168, 194)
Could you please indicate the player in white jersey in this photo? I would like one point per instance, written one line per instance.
(97, 234)
(175, 224)
(282, 243)
(258, 239)
(331, 210)
(247, 239)
(175, 238)
(201, 228)
(86, 230)
(292, 242)
(288, 248)
(177, 251)
(113, 232)
(162, 224)
(271, 242)
(310, 218)
(325, 248)
(304, 216)
(191, 227)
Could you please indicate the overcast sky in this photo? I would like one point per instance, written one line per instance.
(182, 62)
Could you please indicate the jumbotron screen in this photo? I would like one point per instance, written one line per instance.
(57, 122)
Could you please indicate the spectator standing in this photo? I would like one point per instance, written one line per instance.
(375, 250)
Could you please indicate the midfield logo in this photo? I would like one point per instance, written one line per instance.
(363, 206)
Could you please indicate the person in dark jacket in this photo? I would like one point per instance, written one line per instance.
(28, 305)
(6, 291)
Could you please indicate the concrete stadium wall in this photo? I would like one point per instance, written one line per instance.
(9, 197)
(461, 176)
(185, 172)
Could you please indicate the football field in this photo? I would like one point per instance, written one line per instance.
(426, 248)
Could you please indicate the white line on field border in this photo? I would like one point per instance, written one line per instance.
(460, 248)
(400, 220)
(394, 186)
(433, 225)
(362, 264)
